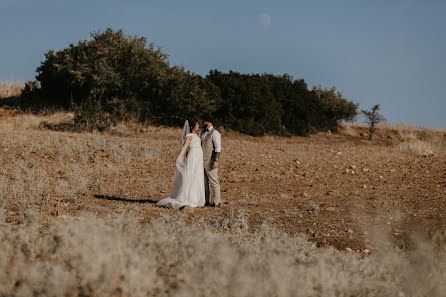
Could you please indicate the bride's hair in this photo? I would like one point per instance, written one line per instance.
(192, 124)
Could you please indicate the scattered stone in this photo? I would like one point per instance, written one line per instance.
(352, 166)
(314, 208)
(331, 209)
(428, 153)
(349, 231)
(349, 250)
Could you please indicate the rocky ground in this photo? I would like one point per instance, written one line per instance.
(338, 189)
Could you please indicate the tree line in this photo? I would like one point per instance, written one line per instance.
(115, 78)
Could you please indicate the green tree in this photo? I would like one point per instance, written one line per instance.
(115, 77)
(247, 103)
(372, 118)
(332, 109)
(256, 104)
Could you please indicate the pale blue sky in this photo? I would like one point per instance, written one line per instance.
(391, 53)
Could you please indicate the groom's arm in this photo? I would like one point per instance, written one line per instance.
(216, 140)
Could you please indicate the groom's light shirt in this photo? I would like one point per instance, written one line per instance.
(216, 138)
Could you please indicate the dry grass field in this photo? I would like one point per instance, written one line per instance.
(10, 89)
(325, 215)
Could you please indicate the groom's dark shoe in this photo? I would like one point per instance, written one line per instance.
(208, 204)
(216, 205)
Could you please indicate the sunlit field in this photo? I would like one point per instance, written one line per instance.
(332, 214)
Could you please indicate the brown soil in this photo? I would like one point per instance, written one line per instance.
(6, 112)
(337, 189)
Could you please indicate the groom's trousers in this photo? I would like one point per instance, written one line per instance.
(211, 185)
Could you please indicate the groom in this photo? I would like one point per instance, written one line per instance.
(211, 144)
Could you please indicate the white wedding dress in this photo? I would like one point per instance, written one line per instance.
(188, 180)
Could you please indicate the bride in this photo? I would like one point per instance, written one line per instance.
(188, 180)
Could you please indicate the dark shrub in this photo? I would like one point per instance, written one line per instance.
(247, 103)
(114, 78)
(332, 109)
(257, 104)
(120, 76)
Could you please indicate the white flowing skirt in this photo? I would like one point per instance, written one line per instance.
(188, 182)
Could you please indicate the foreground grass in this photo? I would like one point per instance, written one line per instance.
(87, 256)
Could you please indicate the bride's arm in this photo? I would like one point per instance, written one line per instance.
(183, 149)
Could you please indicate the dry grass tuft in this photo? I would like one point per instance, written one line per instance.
(420, 140)
(23, 121)
(353, 130)
(406, 138)
(10, 89)
(20, 122)
(419, 147)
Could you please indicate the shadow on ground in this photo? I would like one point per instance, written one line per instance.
(114, 198)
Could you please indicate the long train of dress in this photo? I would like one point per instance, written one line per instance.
(188, 180)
